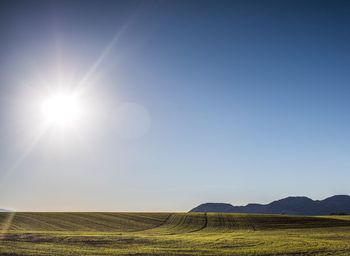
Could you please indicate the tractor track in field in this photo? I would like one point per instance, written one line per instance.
(156, 226)
(163, 222)
(204, 225)
(179, 224)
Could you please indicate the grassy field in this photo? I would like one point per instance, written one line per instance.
(172, 234)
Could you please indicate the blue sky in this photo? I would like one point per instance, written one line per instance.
(246, 101)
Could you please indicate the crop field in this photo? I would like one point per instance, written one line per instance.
(172, 234)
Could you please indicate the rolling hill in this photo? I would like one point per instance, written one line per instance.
(171, 234)
(339, 204)
(161, 223)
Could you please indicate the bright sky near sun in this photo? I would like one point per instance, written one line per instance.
(162, 105)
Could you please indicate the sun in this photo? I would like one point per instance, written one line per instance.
(61, 109)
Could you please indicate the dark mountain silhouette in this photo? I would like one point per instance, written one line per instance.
(300, 205)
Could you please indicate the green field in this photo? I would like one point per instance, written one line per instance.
(172, 234)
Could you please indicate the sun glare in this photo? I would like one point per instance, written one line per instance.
(61, 109)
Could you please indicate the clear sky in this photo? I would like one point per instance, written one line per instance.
(184, 102)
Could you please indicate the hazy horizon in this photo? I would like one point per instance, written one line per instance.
(178, 103)
(152, 210)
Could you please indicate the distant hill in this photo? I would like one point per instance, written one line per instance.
(4, 210)
(301, 205)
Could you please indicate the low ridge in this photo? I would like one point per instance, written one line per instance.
(301, 205)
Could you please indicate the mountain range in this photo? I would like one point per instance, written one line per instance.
(300, 205)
